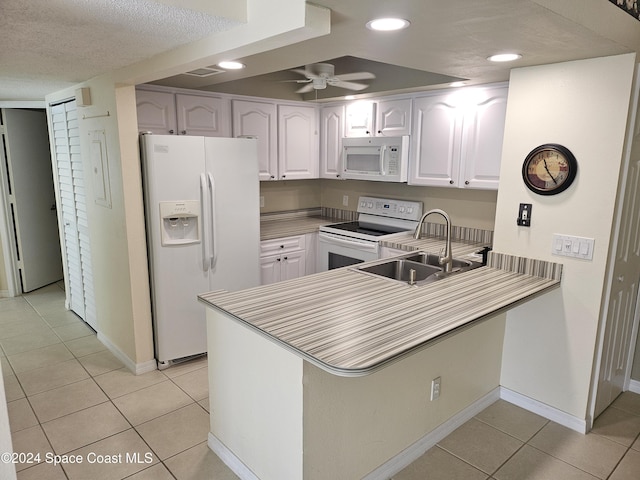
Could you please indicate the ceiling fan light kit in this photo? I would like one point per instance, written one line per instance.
(319, 75)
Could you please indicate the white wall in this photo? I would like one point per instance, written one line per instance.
(549, 342)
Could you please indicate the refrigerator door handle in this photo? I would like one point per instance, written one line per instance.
(212, 219)
(205, 246)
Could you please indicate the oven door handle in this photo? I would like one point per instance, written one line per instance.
(336, 240)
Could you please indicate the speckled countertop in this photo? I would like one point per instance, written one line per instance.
(350, 323)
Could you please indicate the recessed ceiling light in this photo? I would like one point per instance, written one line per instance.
(350, 97)
(457, 84)
(387, 24)
(504, 57)
(231, 65)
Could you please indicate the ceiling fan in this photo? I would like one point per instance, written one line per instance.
(319, 75)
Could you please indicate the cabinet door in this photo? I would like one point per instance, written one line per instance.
(206, 116)
(393, 118)
(270, 269)
(156, 112)
(297, 142)
(359, 119)
(482, 135)
(435, 155)
(292, 265)
(257, 119)
(332, 131)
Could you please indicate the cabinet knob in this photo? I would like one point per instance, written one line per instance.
(273, 176)
(278, 259)
(285, 258)
(466, 182)
(183, 132)
(379, 131)
(284, 176)
(171, 131)
(281, 246)
(450, 182)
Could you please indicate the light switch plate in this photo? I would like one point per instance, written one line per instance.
(572, 246)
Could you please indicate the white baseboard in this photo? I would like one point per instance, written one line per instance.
(230, 459)
(544, 410)
(634, 386)
(419, 448)
(136, 368)
(4, 294)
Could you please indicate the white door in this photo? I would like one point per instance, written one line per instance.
(32, 198)
(435, 150)
(257, 119)
(206, 116)
(617, 339)
(331, 131)
(156, 112)
(394, 118)
(73, 212)
(482, 135)
(297, 142)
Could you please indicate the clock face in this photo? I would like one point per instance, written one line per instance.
(549, 169)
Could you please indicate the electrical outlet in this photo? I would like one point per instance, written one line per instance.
(435, 388)
(345, 200)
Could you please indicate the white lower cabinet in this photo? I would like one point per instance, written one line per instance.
(282, 259)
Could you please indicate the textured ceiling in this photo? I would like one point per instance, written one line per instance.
(48, 45)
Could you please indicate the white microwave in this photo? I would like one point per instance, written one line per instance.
(383, 159)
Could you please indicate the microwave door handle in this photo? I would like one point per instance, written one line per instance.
(383, 149)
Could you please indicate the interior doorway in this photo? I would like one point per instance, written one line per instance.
(30, 237)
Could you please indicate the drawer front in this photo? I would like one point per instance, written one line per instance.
(282, 245)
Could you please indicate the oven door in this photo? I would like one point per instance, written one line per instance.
(335, 251)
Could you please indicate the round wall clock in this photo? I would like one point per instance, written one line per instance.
(549, 169)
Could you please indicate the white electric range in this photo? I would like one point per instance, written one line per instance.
(348, 243)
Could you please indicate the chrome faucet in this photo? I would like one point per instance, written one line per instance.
(446, 260)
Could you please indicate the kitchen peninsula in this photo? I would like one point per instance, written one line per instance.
(328, 375)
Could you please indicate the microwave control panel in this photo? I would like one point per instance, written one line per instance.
(385, 207)
(392, 159)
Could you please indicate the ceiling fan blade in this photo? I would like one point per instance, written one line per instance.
(348, 85)
(306, 89)
(300, 71)
(356, 76)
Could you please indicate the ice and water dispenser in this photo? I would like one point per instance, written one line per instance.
(180, 222)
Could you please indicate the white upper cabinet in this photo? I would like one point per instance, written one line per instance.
(165, 113)
(393, 118)
(206, 116)
(360, 119)
(156, 112)
(297, 142)
(389, 118)
(457, 140)
(331, 133)
(258, 119)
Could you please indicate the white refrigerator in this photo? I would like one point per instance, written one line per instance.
(203, 231)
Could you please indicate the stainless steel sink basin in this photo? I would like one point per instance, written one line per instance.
(416, 268)
(402, 270)
(432, 259)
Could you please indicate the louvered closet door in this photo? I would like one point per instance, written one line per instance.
(74, 211)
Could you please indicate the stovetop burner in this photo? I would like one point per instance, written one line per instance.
(366, 228)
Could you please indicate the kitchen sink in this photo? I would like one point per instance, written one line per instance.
(433, 259)
(401, 270)
(416, 268)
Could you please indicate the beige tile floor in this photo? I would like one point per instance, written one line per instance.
(68, 395)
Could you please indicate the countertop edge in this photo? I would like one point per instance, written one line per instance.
(548, 274)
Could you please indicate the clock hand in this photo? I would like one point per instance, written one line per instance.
(547, 169)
